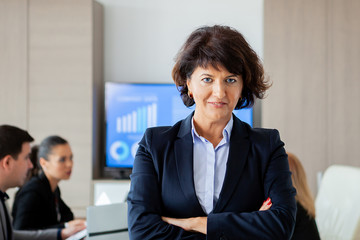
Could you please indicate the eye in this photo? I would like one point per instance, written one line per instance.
(230, 80)
(207, 80)
(62, 159)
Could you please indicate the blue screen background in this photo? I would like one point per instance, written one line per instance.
(131, 108)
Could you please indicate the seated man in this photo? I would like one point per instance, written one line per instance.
(14, 166)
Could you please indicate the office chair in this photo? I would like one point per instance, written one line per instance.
(337, 203)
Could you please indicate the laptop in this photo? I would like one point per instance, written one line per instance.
(107, 222)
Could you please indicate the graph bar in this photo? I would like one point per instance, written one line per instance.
(137, 121)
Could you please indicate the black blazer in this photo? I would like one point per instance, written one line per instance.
(7, 231)
(34, 206)
(162, 184)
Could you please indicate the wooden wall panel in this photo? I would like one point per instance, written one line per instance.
(312, 54)
(50, 83)
(61, 86)
(295, 59)
(344, 91)
(13, 63)
(98, 89)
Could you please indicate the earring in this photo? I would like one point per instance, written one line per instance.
(190, 94)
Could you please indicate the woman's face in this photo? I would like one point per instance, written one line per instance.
(215, 92)
(59, 163)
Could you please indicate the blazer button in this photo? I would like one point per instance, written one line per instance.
(222, 238)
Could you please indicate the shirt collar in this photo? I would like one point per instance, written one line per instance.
(3, 196)
(226, 132)
(228, 128)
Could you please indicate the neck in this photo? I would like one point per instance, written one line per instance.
(3, 185)
(53, 181)
(212, 131)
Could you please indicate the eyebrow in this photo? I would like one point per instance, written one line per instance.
(64, 156)
(209, 75)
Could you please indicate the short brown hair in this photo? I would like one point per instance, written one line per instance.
(225, 46)
(11, 140)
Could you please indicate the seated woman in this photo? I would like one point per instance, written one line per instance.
(305, 227)
(38, 204)
(207, 176)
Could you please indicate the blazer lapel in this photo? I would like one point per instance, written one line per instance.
(183, 148)
(5, 221)
(238, 155)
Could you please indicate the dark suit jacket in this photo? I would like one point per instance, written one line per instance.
(34, 206)
(305, 227)
(5, 229)
(162, 185)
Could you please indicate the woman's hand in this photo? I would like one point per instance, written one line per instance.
(266, 205)
(195, 224)
(76, 222)
(199, 224)
(73, 227)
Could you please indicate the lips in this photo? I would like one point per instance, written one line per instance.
(217, 104)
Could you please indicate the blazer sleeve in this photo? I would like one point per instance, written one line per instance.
(144, 200)
(276, 223)
(49, 234)
(27, 204)
(66, 213)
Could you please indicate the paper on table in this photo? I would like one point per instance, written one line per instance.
(79, 235)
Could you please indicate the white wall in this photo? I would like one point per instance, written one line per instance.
(141, 37)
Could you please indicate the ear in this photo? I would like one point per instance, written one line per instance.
(188, 84)
(5, 162)
(43, 163)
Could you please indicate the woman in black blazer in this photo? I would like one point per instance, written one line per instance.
(38, 204)
(207, 176)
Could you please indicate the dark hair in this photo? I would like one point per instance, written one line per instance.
(34, 160)
(11, 140)
(220, 46)
(48, 144)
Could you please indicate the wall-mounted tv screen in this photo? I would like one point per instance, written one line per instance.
(130, 108)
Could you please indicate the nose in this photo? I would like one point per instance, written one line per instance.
(69, 163)
(219, 89)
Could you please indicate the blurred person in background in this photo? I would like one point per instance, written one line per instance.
(305, 227)
(14, 166)
(38, 204)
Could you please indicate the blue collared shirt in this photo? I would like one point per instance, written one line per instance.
(210, 166)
